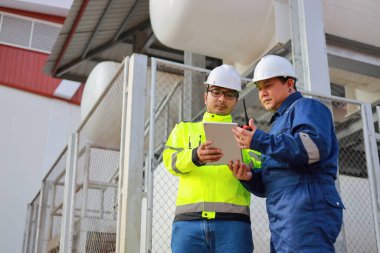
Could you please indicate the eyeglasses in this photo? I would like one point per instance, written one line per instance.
(230, 95)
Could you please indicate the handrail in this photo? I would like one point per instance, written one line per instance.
(162, 104)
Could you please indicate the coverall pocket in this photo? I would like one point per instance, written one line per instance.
(331, 219)
(332, 198)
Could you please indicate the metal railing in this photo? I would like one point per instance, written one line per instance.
(109, 192)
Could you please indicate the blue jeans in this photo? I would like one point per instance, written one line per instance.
(211, 236)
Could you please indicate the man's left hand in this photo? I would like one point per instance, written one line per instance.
(244, 137)
(240, 170)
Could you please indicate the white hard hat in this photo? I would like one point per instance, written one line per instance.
(224, 76)
(273, 66)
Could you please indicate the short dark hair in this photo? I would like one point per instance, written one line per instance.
(283, 79)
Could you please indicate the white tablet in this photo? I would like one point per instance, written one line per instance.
(223, 138)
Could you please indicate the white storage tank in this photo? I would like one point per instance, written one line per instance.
(96, 83)
(103, 127)
(241, 31)
(235, 31)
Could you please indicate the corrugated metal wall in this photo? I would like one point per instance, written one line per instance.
(26, 39)
(22, 69)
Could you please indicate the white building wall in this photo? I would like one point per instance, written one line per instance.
(33, 132)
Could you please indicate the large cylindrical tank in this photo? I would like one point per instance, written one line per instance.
(241, 31)
(96, 83)
(355, 20)
(103, 126)
(235, 31)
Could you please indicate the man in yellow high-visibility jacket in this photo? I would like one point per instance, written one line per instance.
(212, 207)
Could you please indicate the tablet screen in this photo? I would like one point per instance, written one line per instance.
(223, 138)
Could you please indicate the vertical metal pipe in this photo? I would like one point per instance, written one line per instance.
(102, 203)
(84, 200)
(69, 196)
(86, 171)
(40, 219)
(181, 104)
(129, 217)
(25, 243)
(122, 151)
(378, 124)
(309, 45)
(33, 223)
(52, 207)
(149, 219)
(38, 216)
(372, 159)
(167, 118)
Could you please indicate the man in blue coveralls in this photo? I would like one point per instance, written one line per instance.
(299, 163)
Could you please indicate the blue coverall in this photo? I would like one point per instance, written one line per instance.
(299, 167)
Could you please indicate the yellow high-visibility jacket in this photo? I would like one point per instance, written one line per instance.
(205, 191)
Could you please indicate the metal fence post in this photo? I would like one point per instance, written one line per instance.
(40, 225)
(151, 160)
(27, 229)
(69, 196)
(131, 182)
(372, 164)
(378, 124)
(309, 51)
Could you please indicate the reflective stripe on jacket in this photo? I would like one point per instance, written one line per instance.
(301, 140)
(299, 168)
(208, 189)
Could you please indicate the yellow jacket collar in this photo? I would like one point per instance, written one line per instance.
(209, 117)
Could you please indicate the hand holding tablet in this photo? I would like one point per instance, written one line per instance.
(223, 138)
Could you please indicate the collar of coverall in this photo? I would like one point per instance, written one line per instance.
(287, 102)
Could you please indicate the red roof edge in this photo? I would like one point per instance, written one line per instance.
(46, 17)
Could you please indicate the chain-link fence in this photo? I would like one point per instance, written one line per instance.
(86, 194)
(45, 211)
(109, 192)
(79, 196)
(177, 100)
(97, 173)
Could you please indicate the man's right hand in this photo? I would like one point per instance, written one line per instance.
(206, 153)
